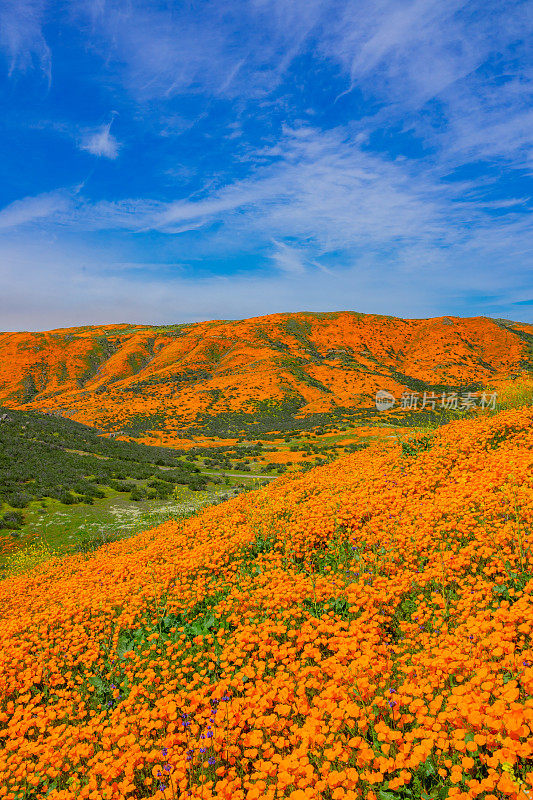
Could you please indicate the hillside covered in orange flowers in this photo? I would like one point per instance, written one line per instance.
(144, 379)
(363, 630)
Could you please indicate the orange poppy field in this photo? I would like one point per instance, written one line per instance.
(179, 384)
(361, 630)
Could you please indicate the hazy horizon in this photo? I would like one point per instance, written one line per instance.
(260, 316)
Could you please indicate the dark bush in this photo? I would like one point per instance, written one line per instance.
(67, 498)
(19, 500)
(12, 520)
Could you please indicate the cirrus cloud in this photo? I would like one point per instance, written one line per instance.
(101, 142)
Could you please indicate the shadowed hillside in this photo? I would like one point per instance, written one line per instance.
(212, 375)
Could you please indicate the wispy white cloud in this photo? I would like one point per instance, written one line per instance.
(328, 192)
(288, 259)
(100, 142)
(317, 198)
(66, 209)
(229, 48)
(21, 37)
(33, 209)
(425, 61)
(495, 125)
(406, 51)
(325, 195)
(402, 54)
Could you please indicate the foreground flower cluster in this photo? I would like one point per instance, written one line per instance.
(360, 631)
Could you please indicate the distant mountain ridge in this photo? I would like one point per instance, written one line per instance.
(143, 377)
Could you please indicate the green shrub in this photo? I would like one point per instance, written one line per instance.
(67, 498)
(124, 486)
(416, 444)
(12, 520)
(19, 500)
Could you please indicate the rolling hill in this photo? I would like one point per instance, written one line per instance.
(262, 373)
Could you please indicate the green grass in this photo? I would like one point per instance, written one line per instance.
(516, 394)
(43, 458)
(63, 529)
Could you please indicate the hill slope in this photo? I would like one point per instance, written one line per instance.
(142, 378)
(361, 631)
(45, 457)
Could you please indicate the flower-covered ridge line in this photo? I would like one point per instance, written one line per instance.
(153, 383)
(362, 630)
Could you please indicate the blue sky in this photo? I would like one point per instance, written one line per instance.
(166, 162)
